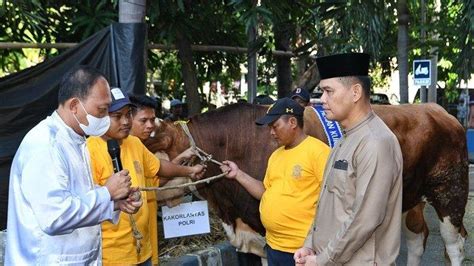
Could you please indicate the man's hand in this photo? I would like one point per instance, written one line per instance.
(303, 256)
(253, 186)
(131, 204)
(231, 168)
(188, 153)
(134, 195)
(118, 185)
(197, 171)
(310, 261)
(185, 155)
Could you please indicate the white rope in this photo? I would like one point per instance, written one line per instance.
(205, 180)
(203, 156)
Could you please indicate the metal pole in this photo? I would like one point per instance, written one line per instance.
(432, 95)
(423, 97)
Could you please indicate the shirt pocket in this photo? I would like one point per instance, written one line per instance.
(337, 181)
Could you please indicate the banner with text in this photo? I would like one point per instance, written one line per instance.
(186, 219)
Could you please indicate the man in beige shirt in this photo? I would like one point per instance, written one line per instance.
(358, 217)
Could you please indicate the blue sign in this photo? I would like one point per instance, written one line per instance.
(331, 128)
(422, 72)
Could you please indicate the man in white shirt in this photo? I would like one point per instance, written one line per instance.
(55, 210)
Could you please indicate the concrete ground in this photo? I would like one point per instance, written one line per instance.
(434, 254)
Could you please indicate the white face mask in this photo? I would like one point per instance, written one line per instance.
(97, 126)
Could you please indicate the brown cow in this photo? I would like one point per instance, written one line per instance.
(434, 152)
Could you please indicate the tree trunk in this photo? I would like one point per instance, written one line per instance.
(402, 48)
(282, 32)
(300, 60)
(252, 65)
(132, 11)
(188, 70)
(310, 79)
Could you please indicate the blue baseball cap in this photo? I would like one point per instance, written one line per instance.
(283, 106)
(119, 100)
(175, 102)
(301, 93)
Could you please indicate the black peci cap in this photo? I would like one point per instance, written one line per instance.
(343, 65)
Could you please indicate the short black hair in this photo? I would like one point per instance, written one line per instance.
(364, 81)
(299, 119)
(77, 83)
(142, 101)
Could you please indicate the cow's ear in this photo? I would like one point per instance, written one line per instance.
(166, 142)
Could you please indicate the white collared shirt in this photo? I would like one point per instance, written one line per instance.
(54, 209)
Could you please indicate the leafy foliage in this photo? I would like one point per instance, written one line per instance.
(313, 27)
(47, 21)
(203, 22)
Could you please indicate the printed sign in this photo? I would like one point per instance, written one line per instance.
(186, 219)
(422, 72)
(331, 128)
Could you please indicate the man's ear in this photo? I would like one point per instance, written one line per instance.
(293, 122)
(72, 104)
(357, 92)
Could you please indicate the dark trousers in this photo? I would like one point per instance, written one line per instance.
(279, 258)
(145, 263)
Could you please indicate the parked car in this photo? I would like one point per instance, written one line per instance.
(375, 98)
(379, 98)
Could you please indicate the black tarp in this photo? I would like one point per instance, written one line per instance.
(28, 96)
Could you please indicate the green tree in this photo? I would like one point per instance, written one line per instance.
(306, 27)
(47, 21)
(185, 23)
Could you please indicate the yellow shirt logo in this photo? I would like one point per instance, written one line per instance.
(138, 167)
(297, 171)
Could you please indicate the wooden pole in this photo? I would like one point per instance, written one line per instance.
(151, 46)
(21, 45)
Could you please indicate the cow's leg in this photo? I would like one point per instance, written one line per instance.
(454, 238)
(448, 196)
(416, 233)
(244, 238)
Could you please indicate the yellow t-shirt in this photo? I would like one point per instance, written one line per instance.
(292, 184)
(153, 218)
(118, 243)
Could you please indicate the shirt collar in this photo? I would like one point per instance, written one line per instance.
(67, 130)
(364, 121)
